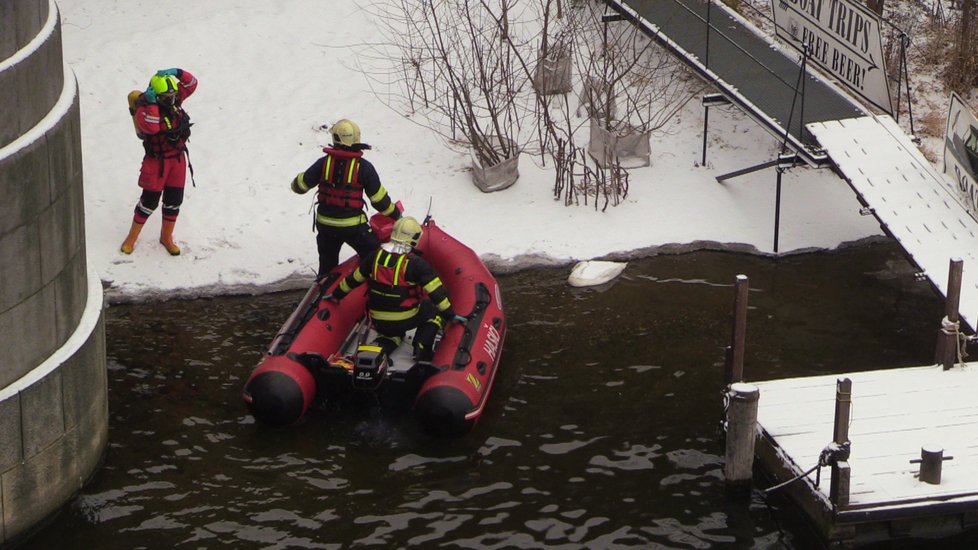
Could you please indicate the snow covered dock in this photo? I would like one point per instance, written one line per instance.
(894, 413)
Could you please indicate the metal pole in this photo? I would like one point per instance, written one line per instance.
(801, 110)
(777, 210)
(741, 434)
(947, 338)
(709, 10)
(706, 127)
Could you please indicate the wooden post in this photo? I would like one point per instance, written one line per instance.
(947, 337)
(839, 485)
(735, 357)
(843, 402)
(741, 434)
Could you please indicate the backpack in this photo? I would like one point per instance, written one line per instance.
(134, 97)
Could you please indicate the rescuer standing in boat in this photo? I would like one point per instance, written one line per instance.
(164, 127)
(397, 281)
(343, 177)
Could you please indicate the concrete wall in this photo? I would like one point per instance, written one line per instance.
(53, 396)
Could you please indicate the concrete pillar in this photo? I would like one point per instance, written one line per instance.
(53, 384)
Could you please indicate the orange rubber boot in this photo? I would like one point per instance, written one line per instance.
(129, 244)
(166, 238)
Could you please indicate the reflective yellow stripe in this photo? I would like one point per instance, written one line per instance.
(377, 258)
(301, 184)
(433, 285)
(393, 315)
(341, 222)
(370, 347)
(444, 304)
(381, 193)
(399, 269)
(351, 171)
(326, 167)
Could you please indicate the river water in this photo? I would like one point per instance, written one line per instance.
(601, 429)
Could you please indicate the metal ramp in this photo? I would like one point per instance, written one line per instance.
(824, 126)
(914, 202)
(748, 68)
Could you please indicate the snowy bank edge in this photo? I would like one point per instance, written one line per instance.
(496, 264)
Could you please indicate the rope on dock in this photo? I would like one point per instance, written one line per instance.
(830, 455)
(962, 339)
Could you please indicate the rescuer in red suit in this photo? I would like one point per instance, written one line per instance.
(164, 127)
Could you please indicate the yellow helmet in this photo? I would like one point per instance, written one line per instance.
(163, 84)
(407, 231)
(345, 132)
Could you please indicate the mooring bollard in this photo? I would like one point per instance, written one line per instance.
(741, 434)
(931, 462)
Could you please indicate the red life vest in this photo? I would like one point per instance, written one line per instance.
(340, 182)
(389, 288)
(169, 142)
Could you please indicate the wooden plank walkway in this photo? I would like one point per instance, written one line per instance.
(915, 203)
(894, 413)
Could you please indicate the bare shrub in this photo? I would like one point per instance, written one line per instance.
(962, 69)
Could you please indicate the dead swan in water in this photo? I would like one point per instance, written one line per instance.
(593, 273)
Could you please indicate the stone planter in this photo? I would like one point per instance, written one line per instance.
(631, 149)
(498, 176)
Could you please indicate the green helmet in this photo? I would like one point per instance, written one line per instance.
(407, 231)
(345, 132)
(164, 84)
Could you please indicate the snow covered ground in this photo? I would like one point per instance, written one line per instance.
(272, 75)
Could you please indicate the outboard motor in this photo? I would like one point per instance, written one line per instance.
(370, 367)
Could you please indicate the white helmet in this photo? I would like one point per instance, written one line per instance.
(407, 231)
(345, 132)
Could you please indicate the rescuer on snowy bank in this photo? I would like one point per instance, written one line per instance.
(164, 127)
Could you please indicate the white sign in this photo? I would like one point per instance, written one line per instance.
(961, 152)
(843, 38)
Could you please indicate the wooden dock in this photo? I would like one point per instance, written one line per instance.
(894, 413)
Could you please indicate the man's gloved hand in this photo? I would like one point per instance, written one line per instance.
(150, 95)
(170, 72)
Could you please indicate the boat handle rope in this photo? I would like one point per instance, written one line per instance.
(464, 353)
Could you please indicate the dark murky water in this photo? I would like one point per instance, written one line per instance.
(600, 431)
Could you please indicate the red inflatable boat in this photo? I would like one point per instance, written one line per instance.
(323, 348)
